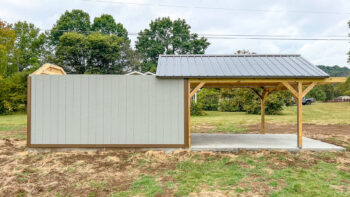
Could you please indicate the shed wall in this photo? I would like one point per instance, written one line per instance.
(106, 109)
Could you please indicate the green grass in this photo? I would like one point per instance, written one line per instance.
(13, 122)
(236, 122)
(145, 185)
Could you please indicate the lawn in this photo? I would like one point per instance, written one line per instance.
(239, 122)
(182, 173)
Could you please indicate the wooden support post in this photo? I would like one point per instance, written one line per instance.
(189, 114)
(300, 115)
(263, 98)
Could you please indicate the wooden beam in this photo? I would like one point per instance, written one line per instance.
(189, 114)
(291, 89)
(307, 90)
(300, 116)
(263, 98)
(269, 80)
(29, 110)
(199, 86)
(256, 92)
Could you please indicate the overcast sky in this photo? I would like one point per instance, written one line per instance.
(252, 17)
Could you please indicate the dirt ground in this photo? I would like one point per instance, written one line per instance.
(100, 173)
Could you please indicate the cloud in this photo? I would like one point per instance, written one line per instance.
(279, 21)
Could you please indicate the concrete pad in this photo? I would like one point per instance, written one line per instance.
(235, 142)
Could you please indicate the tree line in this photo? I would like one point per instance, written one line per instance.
(102, 46)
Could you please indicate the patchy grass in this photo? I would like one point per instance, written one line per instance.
(13, 122)
(182, 173)
(237, 122)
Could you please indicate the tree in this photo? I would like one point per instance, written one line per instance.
(7, 40)
(344, 88)
(165, 36)
(72, 52)
(104, 52)
(106, 24)
(317, 93)
(28, 46)
(74, 21)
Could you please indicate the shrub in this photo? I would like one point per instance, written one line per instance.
(233, 100)
(13, 93)
(273, 105)
(209, 99)
(196, 109)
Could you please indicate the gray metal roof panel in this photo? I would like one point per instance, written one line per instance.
(224, 66)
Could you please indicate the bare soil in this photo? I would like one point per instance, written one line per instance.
(101, 173)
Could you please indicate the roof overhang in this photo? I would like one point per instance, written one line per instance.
(261, 82)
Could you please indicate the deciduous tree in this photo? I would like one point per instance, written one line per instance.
(165, 36)
(7, 40)
(71, 21)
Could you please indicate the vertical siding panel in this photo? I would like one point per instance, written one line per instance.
(114, 84)
(46, 109)
(122, 129)
(54, 110)
(159, 113)
(76, 116)
(129, 110)
(92, 108)
(181, 110)
(61, 110)
(152, 111)
(173, 112)
(99, 132)
(34, 110)
(84, 110)
(115, 109)
(107, 109)
(69, 110)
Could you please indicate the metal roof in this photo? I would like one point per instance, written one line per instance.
(236, 66)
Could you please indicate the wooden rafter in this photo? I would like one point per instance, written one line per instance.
(199, 86)
(307, 90)
(291, 89)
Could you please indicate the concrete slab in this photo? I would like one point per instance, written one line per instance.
(235, 142)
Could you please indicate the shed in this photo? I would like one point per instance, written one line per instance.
(154, 110)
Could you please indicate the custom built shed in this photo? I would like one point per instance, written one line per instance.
(154, 111)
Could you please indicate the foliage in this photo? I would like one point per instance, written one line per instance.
(7, 40)
(344, 88)
(95, 53)
(165, 36)
(209, 98)
(317, 93)
(74, 21)
(196, 109)
(335, 71)
(28, 46)
(105, 24)
(233, 99)
(13, 93)
(243, 99)
(72, 52)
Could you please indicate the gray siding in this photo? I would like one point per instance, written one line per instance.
(106, 109)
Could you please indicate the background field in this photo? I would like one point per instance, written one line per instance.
(185, 173)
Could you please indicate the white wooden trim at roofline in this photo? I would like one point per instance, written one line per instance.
(139, 73)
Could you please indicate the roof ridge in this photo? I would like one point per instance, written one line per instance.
(232, 55)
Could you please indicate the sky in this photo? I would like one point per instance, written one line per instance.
(297, 18)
